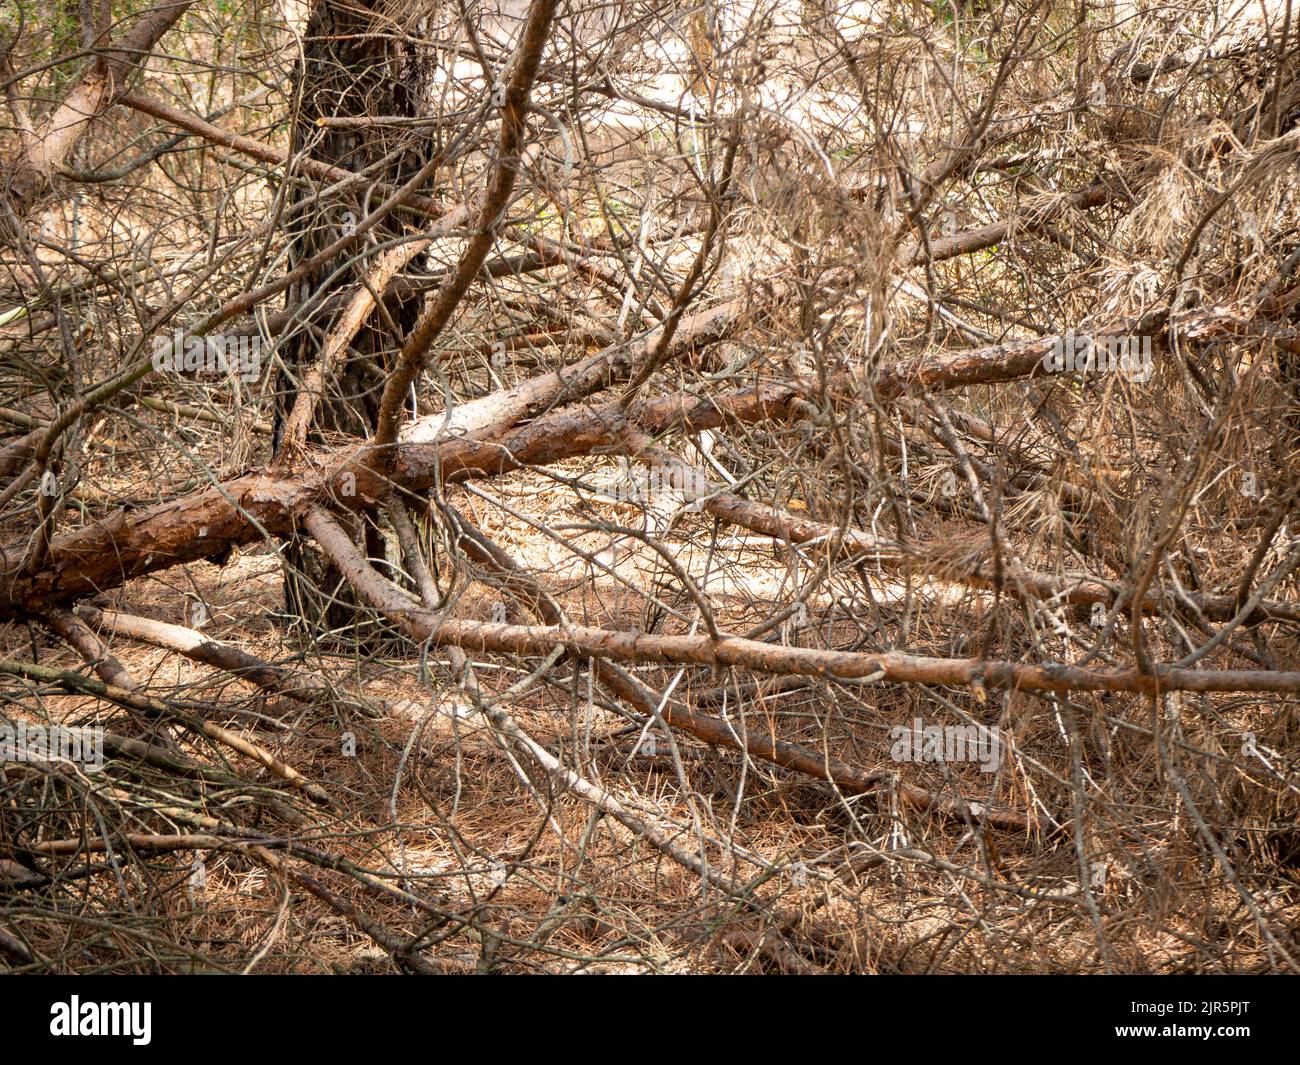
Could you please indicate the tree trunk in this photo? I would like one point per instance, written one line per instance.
(351, 68)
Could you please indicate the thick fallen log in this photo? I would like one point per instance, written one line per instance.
(207, 524)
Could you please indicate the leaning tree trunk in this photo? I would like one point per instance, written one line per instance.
(352, 68)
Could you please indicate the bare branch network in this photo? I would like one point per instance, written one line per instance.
(514, 486)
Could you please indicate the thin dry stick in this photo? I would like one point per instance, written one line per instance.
(154, 707)
(192, 644)
(894, 667)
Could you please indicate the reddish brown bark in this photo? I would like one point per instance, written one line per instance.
(206, 524)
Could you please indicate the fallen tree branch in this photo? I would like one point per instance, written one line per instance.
(892, 667)
(97, 89)
(972, 240)
(150, 706)
(74, 630)
(208, 523)
(195, 645)
(717, 731)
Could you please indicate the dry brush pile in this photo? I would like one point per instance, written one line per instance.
(764, 486)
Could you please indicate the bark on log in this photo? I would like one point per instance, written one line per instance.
(208, 523)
